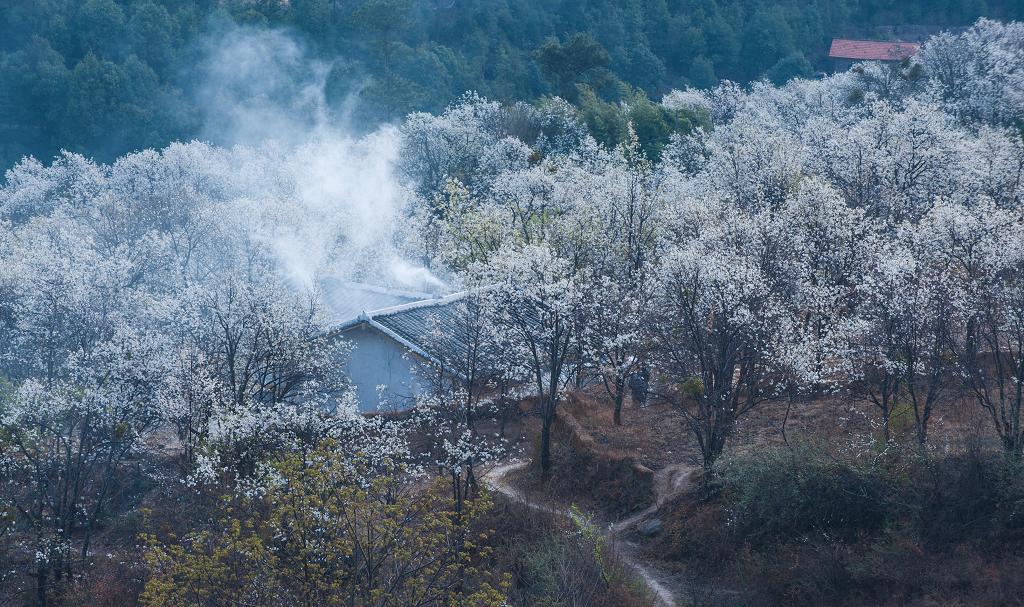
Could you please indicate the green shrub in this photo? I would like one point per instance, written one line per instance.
(956, 498)
(779, 493)
(802, 525)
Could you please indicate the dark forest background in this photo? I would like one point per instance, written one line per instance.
(105, 77)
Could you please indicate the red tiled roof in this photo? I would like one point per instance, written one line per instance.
(871, 50)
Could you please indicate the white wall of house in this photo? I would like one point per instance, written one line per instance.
(376, 359)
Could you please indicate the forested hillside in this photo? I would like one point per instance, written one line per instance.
(106, 77)
(811, 294)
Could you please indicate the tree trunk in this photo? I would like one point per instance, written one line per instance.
(1012, 446)
(620, 387)
(545, 445)
(457, 491)
(41, 586)
(922, 430)
(471, 488)
(785, 419)
(716, 445)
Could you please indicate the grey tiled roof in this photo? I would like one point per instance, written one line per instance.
(347, 300)
(441, 329)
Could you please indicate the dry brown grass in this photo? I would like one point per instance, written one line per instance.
(552, 563)
(893, 568)
(587, 470)
(654, 434)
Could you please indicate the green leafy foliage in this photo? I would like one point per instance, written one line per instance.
(793, 492)
(784, 494)
(807, 524)
(319, 536)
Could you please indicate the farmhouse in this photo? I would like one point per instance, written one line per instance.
(391, 344)
(844, 52)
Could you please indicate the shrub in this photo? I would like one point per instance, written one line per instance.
(778, 493)
(318, 535)
(962, 497)
(798, 525)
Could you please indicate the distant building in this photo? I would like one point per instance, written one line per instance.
(391, 344)
(844, 53)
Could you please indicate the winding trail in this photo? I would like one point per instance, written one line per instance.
(668, 482)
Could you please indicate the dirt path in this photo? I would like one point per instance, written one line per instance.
(668, 481)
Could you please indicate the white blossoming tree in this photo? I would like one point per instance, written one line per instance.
(537, 296)
(721, 329)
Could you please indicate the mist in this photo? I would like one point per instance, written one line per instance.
(259, 84)
(261, 92)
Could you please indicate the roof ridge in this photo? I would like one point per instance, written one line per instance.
(425, 303)
(383, 290)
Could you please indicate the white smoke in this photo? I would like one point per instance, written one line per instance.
(411, 276)
(262, 91)
(259, 84)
